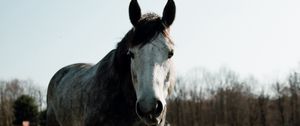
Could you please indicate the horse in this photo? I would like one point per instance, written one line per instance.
(128, 87)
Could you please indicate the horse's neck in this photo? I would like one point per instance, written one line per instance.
(114, 77)
(114, 72)
(122, 69)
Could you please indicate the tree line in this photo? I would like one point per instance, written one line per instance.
(21, 101)
(200, 98)
(223, 99)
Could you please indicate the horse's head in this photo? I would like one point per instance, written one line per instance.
(151, 50)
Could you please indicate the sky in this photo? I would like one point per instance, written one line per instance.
(251, 37)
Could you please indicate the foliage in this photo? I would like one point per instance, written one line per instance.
(25, 109)
(43, 117)
(15, 89)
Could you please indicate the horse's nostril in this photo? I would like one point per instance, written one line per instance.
(151, 111)
(158, 108)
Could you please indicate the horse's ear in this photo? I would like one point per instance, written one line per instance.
(134, 12)
(169, 13)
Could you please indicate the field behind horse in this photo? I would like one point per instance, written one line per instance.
(201, 99)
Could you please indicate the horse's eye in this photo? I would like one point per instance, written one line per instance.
(171, 53)
(131, 54)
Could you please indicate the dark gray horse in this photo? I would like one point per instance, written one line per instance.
(128, 87)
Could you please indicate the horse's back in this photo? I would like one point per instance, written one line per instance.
(63, 78)
(65, 94)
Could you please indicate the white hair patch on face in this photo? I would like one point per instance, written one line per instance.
(151, 68)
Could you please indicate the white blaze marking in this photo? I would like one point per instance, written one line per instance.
(151, 66)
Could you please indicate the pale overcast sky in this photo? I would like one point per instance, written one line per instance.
(251, 37)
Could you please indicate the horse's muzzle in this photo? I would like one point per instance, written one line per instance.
(150, 113)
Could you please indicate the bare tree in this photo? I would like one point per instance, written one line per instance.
(280, 102)
(262, 106)
(294, 83)
(10, 91)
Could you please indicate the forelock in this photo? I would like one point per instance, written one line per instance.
(148, 27)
